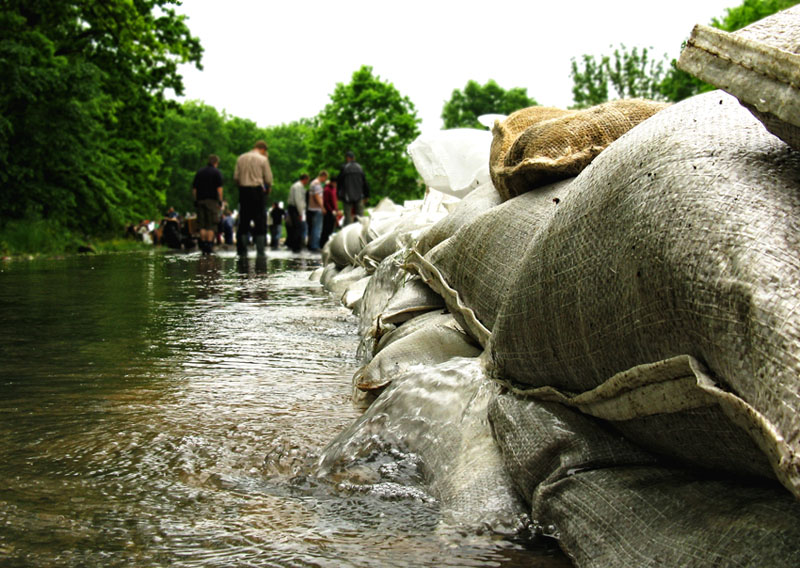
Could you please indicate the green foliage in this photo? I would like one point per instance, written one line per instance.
(631, 73)
(371, 118)
(195, 130)
(634, 74)
(750, 11)
(464, 107)
(81, 104)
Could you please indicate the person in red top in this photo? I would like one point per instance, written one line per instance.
(331, 206)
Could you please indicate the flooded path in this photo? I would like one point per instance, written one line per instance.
(163, 409)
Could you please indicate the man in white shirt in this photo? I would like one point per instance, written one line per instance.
(295, 213)
(315, 210)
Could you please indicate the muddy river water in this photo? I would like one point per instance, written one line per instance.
(162, 409)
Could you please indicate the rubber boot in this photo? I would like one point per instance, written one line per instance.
(241, 246)
(261, 245)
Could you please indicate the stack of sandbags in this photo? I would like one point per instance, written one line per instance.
(680, 239)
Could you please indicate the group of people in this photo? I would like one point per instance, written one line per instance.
(312, 212)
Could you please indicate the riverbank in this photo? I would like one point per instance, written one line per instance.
(29, 239)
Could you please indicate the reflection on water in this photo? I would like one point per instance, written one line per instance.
(163, 409)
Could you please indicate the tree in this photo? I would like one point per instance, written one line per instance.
(464, 107)
(371, 118)
(81, 104)
(631, 73)
(635, 74)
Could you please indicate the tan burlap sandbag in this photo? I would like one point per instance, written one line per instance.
(681, 238)
(471, 269)
(563, 146)
(612, 505)
(506, 132)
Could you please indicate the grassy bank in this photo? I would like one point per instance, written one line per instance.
(48, 238)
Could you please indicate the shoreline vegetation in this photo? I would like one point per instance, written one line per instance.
(26, 240)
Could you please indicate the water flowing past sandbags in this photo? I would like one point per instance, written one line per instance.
(671, 245)
(439, 414)
(561, 146)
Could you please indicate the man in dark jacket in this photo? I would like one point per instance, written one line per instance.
(207, 193)
(353, 189)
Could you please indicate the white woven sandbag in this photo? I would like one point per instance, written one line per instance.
(454, 161)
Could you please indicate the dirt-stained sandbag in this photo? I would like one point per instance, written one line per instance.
(562, 146)
(681, 238)
(612, 505)
(471, 269)
(339, 282)
(478, 201)
(408, 327)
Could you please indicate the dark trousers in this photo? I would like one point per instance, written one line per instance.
(328, 223)
(294, 228)
(275, 233)
(252, 207)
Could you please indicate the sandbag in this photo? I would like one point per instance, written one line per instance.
(429, 345)
(337, 284)
(328, 272)
(387, 279)
(344, 245)
(471, 269)
(759, 64)
(395, 238)
(478, 201)
(505, 132)
(412, 298)
(438, 414)
(353, 294)
(612, 505)
(679, 239)
(452, 161)
(561, 147)
(408, 327)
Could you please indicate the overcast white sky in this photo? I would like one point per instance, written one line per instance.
(275, 61)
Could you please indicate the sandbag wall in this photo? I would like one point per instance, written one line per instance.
(608, 344)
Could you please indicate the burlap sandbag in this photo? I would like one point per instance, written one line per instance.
(505, 133)
(612, 505)
(478, 201)
(471, 269)
(562, 147)
(759, 65)
(681, 238)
